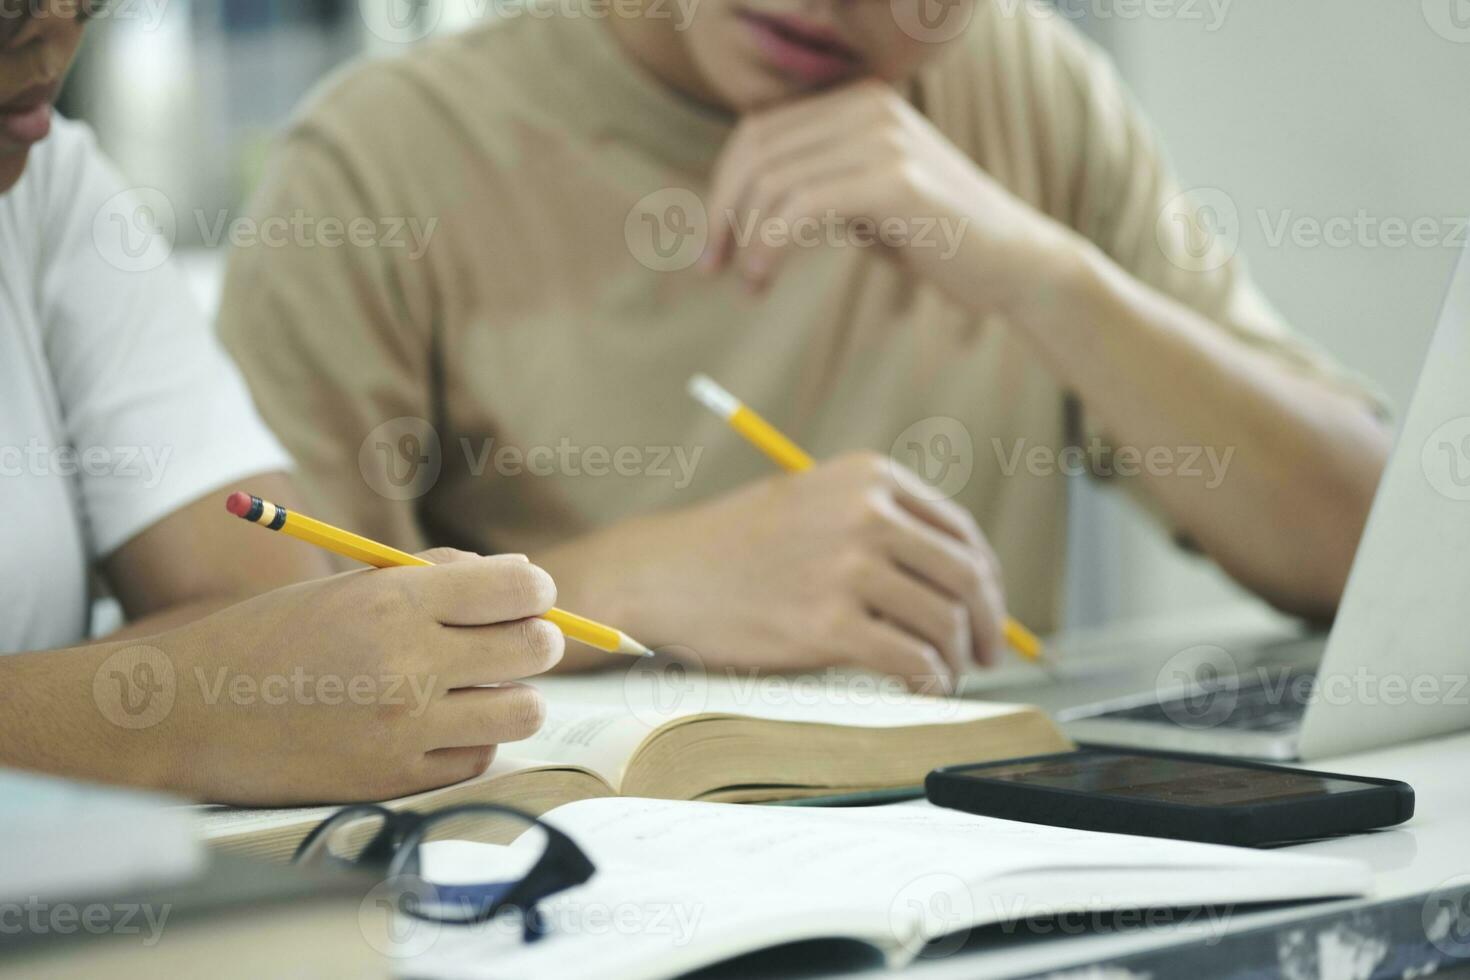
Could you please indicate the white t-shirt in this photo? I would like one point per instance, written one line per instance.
(117, 405)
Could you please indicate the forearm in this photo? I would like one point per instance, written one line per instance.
(173, 617)
(53, 719)
(1296, 463)
(594, 577)
(172, 573)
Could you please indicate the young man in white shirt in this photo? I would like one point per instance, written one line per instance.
(121, 423)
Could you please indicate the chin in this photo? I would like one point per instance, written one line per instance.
(722, 54)
(741, 82)
(12, 165)
(755, 94)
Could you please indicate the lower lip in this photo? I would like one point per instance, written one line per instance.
(803, 63)
(28, 126)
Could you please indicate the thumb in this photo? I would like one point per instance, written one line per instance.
(449, 556)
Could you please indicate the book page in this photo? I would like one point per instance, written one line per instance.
(837, 848)
(657, 693)
(681, 885)
(601, 739)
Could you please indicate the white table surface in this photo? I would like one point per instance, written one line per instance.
(1427, 853)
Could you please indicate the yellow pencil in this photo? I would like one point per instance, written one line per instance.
(792, 458)
(370, 552)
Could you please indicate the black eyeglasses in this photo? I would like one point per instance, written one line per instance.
(537, 861)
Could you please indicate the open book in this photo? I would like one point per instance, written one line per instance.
(706, 739)
(680, 886)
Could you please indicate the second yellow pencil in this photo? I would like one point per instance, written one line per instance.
(792, 458)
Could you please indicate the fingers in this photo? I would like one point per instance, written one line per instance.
(775, 153)
(796, 153)
(890, 650)
(846, 195)
(463, 656)
(485, 716)
(443, 767)
(914, 605)
(788, 206)
(468, 590)
(965, 573)
(942, 514)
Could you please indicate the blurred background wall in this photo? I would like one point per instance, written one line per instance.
(1319, 127)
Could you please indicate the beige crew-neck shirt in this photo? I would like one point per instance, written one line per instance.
(464, 341)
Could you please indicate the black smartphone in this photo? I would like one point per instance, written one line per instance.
(1169, 794)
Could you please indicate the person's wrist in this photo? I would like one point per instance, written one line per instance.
(173, 755)
(116, 704)
(627, 584)
(600, 575)
(1066, 282)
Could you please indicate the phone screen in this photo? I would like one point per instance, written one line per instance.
(1177, 781)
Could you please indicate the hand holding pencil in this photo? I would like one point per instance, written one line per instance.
(789, 456)
(370, 552)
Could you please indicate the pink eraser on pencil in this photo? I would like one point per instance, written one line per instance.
(238, 504)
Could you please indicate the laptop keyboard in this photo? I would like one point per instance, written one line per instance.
(1272, 703)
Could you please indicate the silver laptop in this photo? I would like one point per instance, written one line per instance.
(1396, 666)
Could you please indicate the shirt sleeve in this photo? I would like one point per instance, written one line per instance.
(153, 409)
(1184, 243)
(334, 340)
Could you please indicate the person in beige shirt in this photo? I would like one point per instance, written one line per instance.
(946, 246)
